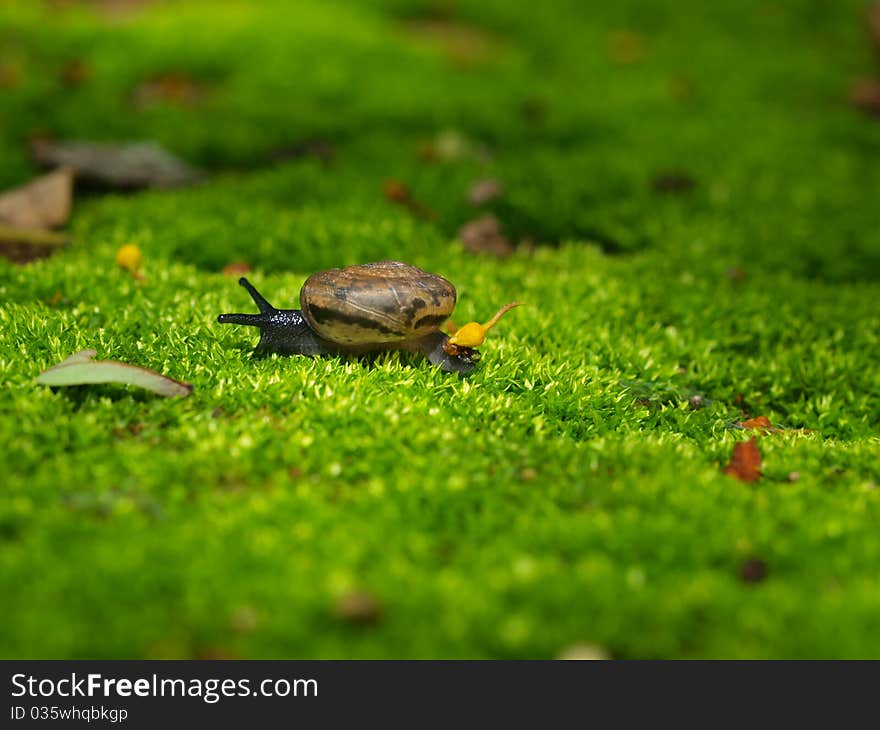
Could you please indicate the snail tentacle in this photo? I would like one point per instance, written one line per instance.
(261, 301)
(282, 331)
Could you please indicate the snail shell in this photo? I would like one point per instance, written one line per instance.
(383, 302)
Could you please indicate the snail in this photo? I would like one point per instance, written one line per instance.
(387, 305)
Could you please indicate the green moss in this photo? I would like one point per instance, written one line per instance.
(566, 492)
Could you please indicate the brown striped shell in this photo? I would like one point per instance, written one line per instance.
(384, 302)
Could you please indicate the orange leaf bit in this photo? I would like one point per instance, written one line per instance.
(761, 423)
(236, 268)
(745, 463)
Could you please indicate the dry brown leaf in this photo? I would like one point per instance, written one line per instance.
(626, 47)
(42, 203)
(463, 44)
(318, 148)
(22, 247)
(112, 10)
(680, 88)
(397, 192)
(753, 570)
(673, 183)
(533, 110)
(75, 72)
(216, 654)
(745, 463)
(28, 211)
(451, 145)
(359, 607)
(245, 619)
(865, 94)
(483, 235)
(484, 191)
(761, 423)
(873, 22)
(123, 10)
(175, 88)
(125, 166)
(584, 652)
(10, 75)
(236, 268)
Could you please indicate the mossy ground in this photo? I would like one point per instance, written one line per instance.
(568, 491)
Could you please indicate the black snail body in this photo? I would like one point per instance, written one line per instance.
(387, 305)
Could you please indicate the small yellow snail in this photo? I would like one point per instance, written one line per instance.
(387, 305)
(472, 335)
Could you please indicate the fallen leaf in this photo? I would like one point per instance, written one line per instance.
(761, 423)
(318, 148)
(483, 235)
(22, 247)
(245, 619)
(680, 88)
(174, 87)
(359, 607)
(450, 145)
(673, 182)
(27, 211)
(745, 463)
(626, 47)
(10, 75)
(216, 654)
(463, 44)
(397, 192)
(42, 203)
(236, 268)
(753, 570)
(125, 166)
(81, 369)
(121, 11)
(533, 110)
(865, 94)
(873, 21)
(583, 652)
(75, 72)
(484, 191)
